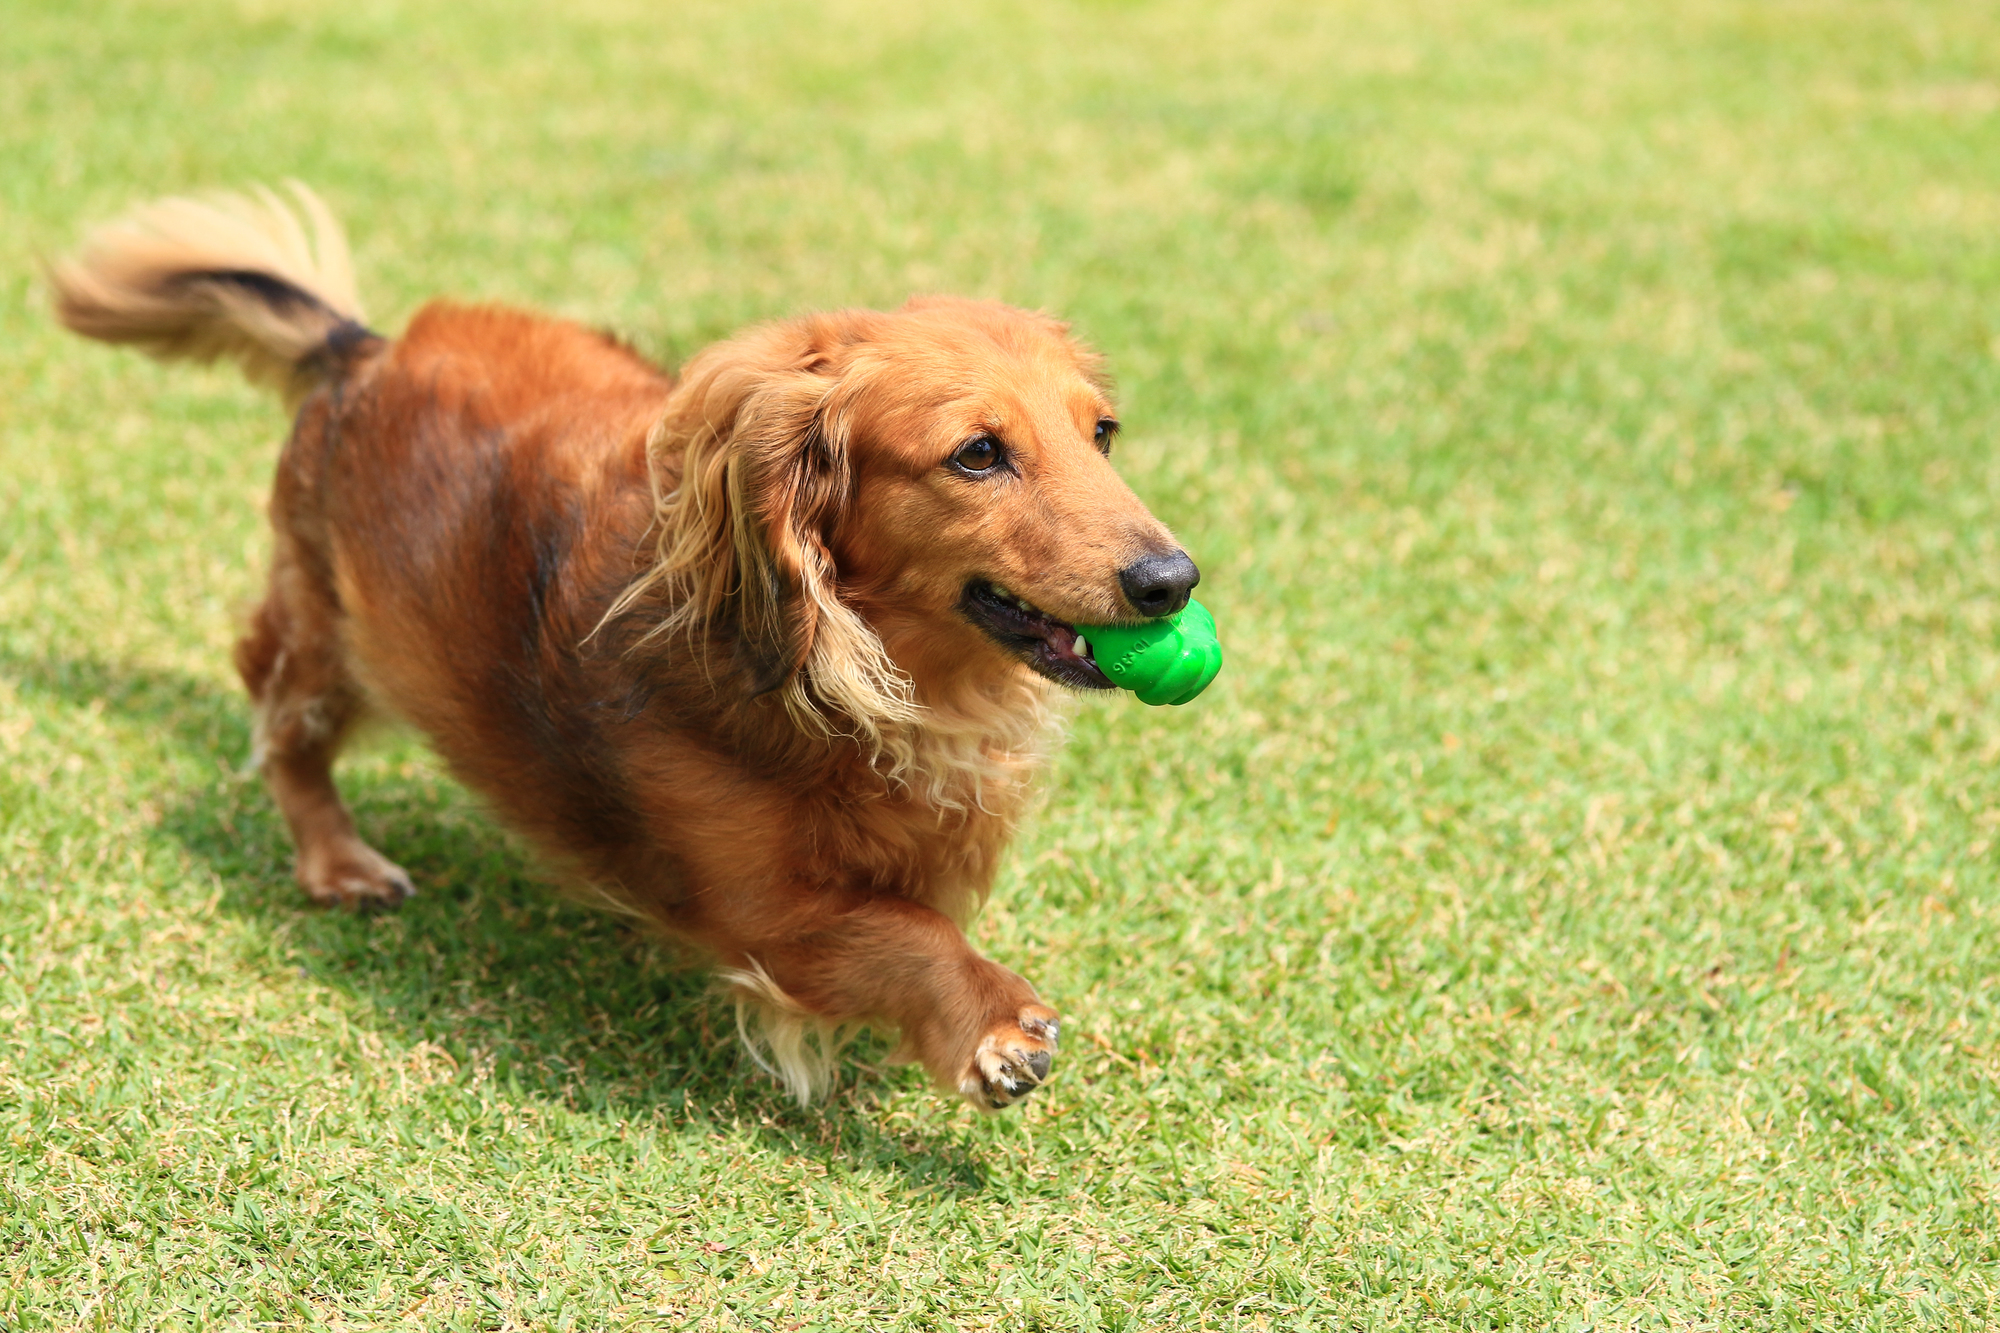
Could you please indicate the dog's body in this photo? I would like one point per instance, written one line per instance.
(748, 652)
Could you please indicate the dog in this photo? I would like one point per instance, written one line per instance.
(769, 653)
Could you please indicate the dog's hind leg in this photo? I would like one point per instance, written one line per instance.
(307, 702)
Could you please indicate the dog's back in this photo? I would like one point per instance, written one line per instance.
(478, 492)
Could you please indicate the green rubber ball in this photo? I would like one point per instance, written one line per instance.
(1164, 661)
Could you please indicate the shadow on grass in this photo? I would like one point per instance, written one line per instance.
(488, 963)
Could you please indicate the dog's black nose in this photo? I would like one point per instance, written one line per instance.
(1158, 585)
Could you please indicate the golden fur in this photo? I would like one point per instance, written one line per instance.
(748, 653)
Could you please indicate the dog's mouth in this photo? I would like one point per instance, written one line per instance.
(1050, 646)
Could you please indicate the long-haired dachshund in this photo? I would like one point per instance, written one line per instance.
(766, 653)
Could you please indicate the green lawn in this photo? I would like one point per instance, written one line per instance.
(1574, 906)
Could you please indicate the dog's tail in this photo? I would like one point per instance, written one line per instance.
(232, 275)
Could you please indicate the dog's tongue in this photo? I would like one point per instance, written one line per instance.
(1057, 634)
(1066, 644)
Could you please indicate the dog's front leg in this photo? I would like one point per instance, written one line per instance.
(846, 955)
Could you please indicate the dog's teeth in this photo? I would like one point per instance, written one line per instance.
(1080, 648)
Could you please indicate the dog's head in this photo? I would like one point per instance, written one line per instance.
(870, 498)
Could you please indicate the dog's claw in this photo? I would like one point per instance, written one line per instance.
(386, 897)
(1013, 1059)
(355, 875)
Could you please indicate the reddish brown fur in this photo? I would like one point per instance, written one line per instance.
(702, 645)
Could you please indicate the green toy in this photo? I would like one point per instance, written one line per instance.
(1164, 661)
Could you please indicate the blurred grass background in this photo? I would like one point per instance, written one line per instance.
(1573, 907)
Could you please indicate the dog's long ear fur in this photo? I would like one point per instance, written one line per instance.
(750, 475)
(787, 478)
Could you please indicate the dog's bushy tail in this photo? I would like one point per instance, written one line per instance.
(228, 276)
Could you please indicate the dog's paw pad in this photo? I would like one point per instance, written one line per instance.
(1012, 1059)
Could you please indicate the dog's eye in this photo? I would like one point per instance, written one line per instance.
(978, 454)
(1105, 430)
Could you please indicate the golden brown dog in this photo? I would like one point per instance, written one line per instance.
(765, 653)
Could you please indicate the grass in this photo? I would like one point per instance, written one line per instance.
(1575, 906)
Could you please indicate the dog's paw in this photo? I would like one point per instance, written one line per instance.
(353, 874)
(1012, 1059)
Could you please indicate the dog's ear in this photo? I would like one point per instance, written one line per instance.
(789, 483)
(751, 475)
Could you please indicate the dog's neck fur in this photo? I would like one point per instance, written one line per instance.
(979, 743)
(971, 742)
